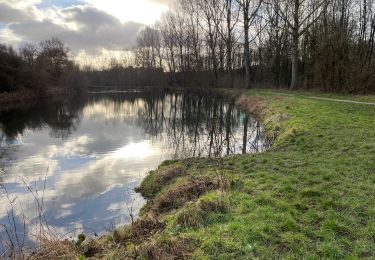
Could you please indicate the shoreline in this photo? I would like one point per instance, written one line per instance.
(19, 99)
(286, 202)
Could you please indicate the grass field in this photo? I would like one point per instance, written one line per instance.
(303, 93)
(311, 196)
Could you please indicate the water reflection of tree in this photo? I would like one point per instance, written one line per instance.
(2, 158)
(61, 117)
(188, 124)
(6, 155)
(64, 118)
(196, 125)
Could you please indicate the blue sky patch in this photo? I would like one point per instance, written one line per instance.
(68, 164)
(59, 3)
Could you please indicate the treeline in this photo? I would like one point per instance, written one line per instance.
(38, 68)
(119, 76)
(300, 44)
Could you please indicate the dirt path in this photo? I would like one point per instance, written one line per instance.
(326, 99)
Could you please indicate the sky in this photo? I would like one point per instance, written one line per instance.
(86, 26)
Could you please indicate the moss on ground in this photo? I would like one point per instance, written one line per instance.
(311, 196)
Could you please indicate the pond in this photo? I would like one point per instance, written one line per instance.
(82, 158)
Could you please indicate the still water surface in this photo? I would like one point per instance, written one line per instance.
(84, 157)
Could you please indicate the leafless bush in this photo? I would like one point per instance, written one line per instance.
(21, 234)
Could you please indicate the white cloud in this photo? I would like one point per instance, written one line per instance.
(9, 37)
(90, 25)
(9, 14)
(141, 11)
(80, 27)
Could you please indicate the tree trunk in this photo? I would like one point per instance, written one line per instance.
(294, 83)
(295, 36)
(229, 43)
(247, 50)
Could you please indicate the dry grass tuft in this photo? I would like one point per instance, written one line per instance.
(93, 248)
(157, 180)
(176, 248)
(56, 249)
(183, 193)
(139, 230)
(215, 205)
(173, 173)
(252, 104)
(200, 214)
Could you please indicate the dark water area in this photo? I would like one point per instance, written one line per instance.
(84, 157)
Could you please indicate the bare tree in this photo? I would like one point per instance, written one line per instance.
(29, 54)
(231, 14)
(210, 14)
(299, 16)
(249, 10)
(54, 55)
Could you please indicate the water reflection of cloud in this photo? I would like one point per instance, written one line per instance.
(31, 169)
(76, 147)
(38, 157)
(105, 173)
(68, 188)
(139, 151)
(93, 170)
(108, 110)
(81, 168)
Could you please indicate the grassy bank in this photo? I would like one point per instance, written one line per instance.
(310, 196)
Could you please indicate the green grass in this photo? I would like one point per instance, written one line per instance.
(311, 196)
(304, 93)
